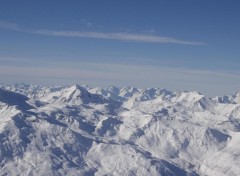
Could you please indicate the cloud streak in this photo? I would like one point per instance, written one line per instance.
(9, 26)
(119, 36)
(99, 74)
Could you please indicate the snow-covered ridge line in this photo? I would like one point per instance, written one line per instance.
(126, 91)
(78, 130)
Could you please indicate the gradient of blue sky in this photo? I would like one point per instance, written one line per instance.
(174, 44)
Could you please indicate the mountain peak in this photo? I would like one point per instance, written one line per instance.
(146, 131)
(128, 91)
(74, 94)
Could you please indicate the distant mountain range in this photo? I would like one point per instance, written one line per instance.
(79, 130)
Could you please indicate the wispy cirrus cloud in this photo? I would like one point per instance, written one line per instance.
(99, 74)
(120, 36)
(9, 26)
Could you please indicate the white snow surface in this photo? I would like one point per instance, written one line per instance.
(79, 130)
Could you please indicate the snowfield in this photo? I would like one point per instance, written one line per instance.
(78, 130)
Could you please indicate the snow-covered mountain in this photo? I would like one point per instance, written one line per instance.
(78, 130)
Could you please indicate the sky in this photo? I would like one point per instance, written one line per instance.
(178, 45)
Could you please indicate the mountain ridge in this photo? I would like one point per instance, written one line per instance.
(78, 130)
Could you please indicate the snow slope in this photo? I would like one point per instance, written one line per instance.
(76, 130)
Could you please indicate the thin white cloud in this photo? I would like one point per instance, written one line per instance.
(8, 25)
(118, 36)
(98, 74)
(133, 37)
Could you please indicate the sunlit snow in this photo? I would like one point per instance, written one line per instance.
(78, 130)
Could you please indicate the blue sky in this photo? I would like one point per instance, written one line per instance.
(179, 45)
